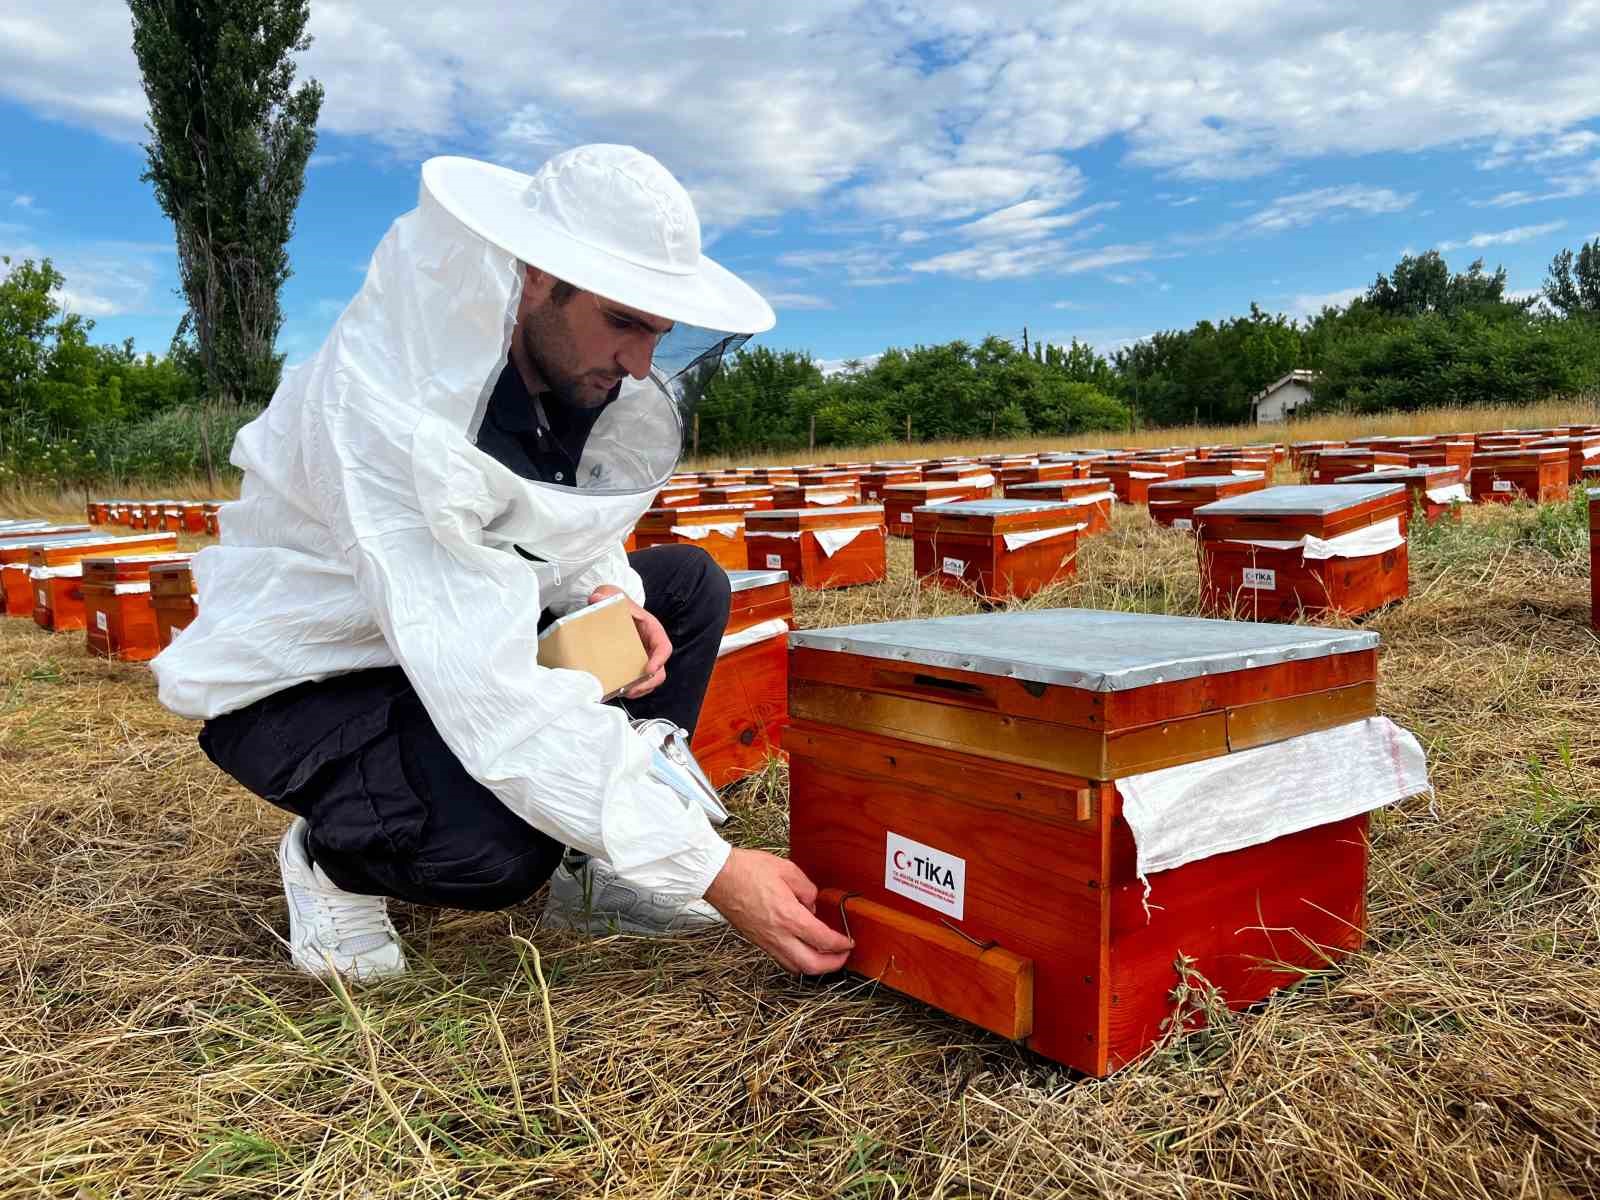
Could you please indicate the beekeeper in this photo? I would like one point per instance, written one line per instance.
(460, 461)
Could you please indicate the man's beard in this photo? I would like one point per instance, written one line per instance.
(563, 386)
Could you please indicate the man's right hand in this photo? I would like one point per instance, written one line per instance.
(771, 902)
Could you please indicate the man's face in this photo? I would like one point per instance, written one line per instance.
(583, 346)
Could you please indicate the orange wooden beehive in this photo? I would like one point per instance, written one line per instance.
(678, 496)
(1131, 480)
(804, 495)
(1257, 564)
(174, 599)
(899, 499)
(1443, 452)
(756, 496)
(1093, 497)
(1436, 491)
(119, 613)
(874, 481)
(997, 549)
(718, 529)
(820, 547)
(1172, 502)
(747, 701)
(212, 512)
(1501, 476)
(977, 475)
(1041, 472)
(55, 574)
(1582, 450)
(989, 747)
(1352, 460)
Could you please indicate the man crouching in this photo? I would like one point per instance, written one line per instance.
(458, 465)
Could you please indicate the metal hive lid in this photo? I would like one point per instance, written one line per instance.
(1404, 473)
(834, 511)
(1317, 499)
(743, 581)
(1084, 648)
(996, 508)
(1204, 481)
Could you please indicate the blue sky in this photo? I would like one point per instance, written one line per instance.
(887, 173)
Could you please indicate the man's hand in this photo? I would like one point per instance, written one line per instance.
(657, 646)
(771, 902)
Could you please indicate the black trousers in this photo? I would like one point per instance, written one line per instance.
(390, 810)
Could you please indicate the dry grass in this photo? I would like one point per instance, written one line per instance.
(154, 1042)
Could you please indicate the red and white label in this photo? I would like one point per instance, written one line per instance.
(1260, 579)
(100, 623)
(955, 566)
(926, 875)
(44, 600)
(774, 562)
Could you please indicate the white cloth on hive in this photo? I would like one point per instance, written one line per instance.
(762, 632)
(701, 532)
(1181, 814)
(1015, 541)
(1147, 475)
(1358, 543)
(1454, 493)
(1091, 498)
(828, 499)
(834, 540)
(64, 571)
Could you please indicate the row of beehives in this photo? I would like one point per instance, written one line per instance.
(173, 516)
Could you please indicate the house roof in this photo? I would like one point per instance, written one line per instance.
(1305, 377)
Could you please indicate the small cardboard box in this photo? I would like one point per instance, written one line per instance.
(599, 638)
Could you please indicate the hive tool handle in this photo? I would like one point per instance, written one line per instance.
(673, 764)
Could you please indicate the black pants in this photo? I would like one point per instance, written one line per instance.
(391, 812)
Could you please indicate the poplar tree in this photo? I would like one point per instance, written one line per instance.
(230, 136)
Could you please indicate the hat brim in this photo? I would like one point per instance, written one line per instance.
(487, 199)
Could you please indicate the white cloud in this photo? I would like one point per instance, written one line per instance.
(1309, 304)
(910, 237)
(1185, 202)
(21, 201)
(1506, 237)
(103, 279)
(1026, 222)
(1306, 208)
(861, 266)
(986, 262)
(793, 301)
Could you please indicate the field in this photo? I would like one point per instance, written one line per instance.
(154, 1042)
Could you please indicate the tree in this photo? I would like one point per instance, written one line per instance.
(1574, 287)
(229, 140)
(1423, 284)
(28, 307)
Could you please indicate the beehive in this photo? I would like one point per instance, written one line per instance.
(820, 547)
(1582, 450)
(874, 481)
(212, 517)
(173, 597)
(718, 529)
(757, 496)
(1302, 453)
(678, 495)
(1267, 556)
(816, 495)
(55, 574)
(899, 499)
(1353, 460)
(194, 516)
(119, 613)
(1501, 476)
(747, 701)
(991, 746)
(976, 475)
(1041, 472)
(1092, 497)
(997, 549)
(1437, 491)
(1443, 452)
(1131, 480)
(1173, 501)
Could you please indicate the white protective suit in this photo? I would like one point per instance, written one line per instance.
(372, 532)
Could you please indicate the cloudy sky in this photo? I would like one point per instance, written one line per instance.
(887, 173)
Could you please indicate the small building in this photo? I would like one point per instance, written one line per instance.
(1279, 401)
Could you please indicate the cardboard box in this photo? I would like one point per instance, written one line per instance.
(989, 747)
(997, 549)
(600, 639)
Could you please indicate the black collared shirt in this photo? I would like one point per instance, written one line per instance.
(542, 440)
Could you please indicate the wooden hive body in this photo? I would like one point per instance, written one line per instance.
(963, 546)
(1092, 496)
(1331, 464)
(678, 496)
(1420, 482)
(873, 482)
(816, 495)
(1000, 745)
(1502, 476)
(786, 540)
(15, 553)
(969, 473)
(1443, 452)
(1300, 452)
(1581, 449)
(830, 477)
(1131, 480)
(172, 596)
(212, 512)
(1280, 583)
(56, 600)
(757, 496)
(119, 610)
(194, 516)
(1041, 472)
(1173, 501)
(747, 701)
(900, 499)
(718, 529)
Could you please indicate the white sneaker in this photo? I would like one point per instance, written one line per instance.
(586, 895)
(331, 929)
